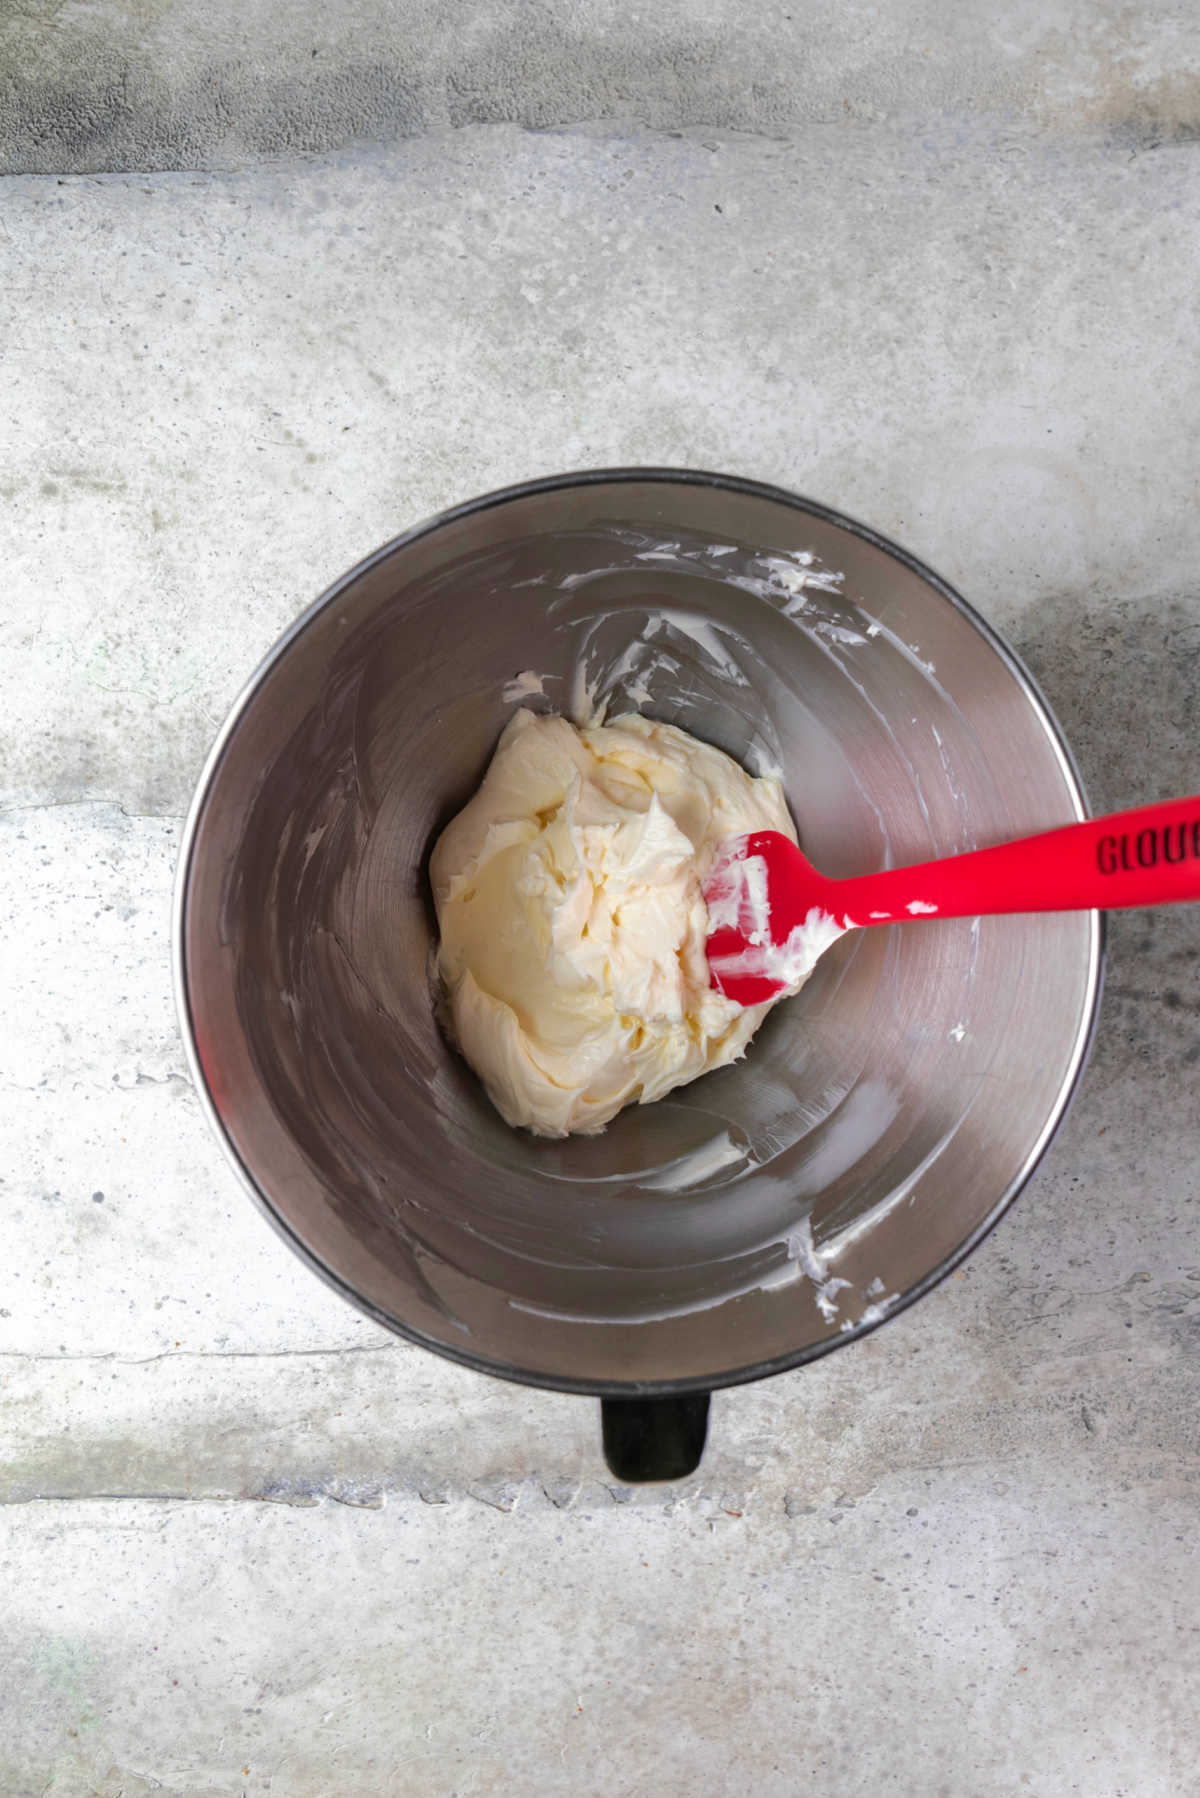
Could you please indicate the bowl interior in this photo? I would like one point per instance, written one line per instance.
(880, 1120)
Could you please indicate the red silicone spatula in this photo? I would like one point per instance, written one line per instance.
(770, 914)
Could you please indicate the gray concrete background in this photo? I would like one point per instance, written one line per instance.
(249, 1544)
(166, 84)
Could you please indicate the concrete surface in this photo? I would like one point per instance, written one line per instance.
(166, 84)
(251, 1545)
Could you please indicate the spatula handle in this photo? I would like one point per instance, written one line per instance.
(1148, 856)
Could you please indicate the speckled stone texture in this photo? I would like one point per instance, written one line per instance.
(168, 84)
(249, 1544)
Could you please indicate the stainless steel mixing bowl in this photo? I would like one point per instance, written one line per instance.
(881, 1122)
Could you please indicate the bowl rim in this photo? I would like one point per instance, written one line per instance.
(695, 1383)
